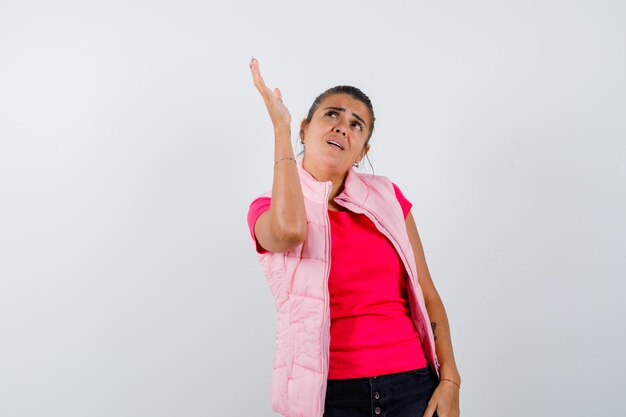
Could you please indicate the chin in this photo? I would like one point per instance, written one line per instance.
(328, 165)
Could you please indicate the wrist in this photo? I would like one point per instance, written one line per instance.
(457, 384)
(450, 373)
(281, 129)
(287, 158)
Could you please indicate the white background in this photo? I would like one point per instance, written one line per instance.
(132, 141)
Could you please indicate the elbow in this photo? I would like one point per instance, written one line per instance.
(295, 236)
(291, 236)
(295, 239)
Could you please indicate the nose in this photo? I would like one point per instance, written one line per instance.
(340, 131)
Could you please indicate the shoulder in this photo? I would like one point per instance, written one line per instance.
(257, 207)
(375, 180)
(384, 185)
(381, 181)
(404, 202)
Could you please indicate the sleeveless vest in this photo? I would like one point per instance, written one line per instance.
(298, 280)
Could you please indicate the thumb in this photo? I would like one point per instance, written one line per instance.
(278, 95)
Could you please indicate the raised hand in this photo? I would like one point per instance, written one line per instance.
(273, 99)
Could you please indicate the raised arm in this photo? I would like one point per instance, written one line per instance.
(283, 226)
(445, 399)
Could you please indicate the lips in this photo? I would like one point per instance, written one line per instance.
(335, 143)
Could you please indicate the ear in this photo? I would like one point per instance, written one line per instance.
(303, 128)
(364, 152)
(366, 149)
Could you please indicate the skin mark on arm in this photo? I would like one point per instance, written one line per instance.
(434, 326)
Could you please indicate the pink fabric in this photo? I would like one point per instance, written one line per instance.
(262, 204)
(371, 331)
(258, 207)
(298, 281)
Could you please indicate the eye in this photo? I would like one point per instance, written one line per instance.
(332, 113)
(357, 125)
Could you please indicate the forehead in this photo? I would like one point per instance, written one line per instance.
(349, 103)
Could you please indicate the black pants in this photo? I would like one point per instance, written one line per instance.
(404, 394)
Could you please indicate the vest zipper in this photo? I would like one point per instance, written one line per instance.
(326, 334)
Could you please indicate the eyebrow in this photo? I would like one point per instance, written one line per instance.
(354, 114)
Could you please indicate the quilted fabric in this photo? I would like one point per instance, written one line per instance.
(298, 280)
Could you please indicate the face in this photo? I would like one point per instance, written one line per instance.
(335, 138)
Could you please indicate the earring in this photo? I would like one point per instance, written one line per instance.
(356, 165)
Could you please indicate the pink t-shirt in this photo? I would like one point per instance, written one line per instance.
(371, 330)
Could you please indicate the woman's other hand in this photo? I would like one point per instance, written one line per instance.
(273, 99)
(445, 400)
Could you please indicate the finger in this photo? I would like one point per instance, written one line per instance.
(259, 83)
(256, 73)
(430, 410)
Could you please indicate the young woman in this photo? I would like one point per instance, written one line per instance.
(358, 313)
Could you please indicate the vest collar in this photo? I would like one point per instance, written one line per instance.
(354, 188)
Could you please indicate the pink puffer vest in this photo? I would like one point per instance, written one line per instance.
(298, 281)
